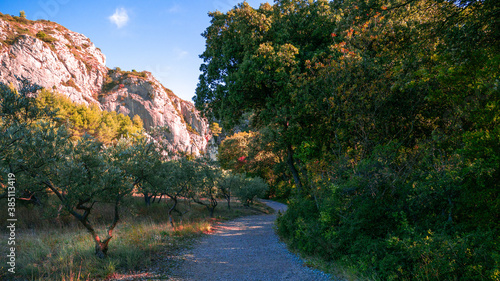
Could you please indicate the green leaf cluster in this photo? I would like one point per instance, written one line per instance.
(385, 115)
(105, 126)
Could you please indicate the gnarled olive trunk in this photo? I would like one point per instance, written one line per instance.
(171, 210)
(101, 246)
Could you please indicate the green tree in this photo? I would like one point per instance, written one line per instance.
(215, 128)
(233, 151)
(386, 113)
(205, 189)
(79, 174)
(41, 153)
(19, 112)
(250, 189)
(228, 183)
(253, 63)
(251, 153)
(106, 126)
(141, 161)
(175, 179)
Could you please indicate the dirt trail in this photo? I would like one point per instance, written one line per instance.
(244, 249)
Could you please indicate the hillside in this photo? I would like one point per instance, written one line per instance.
(67, 62)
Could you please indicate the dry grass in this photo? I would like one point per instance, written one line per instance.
(51, 245)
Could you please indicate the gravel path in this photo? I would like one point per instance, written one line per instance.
(245, 249)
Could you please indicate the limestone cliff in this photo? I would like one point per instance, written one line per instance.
(56, 58)
(132, 93)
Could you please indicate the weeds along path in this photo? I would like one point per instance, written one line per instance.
(244, 249)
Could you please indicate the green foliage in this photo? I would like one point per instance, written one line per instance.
(109, 83)
(233, 151)
(205, 190)
(22, 14)
(127, 74)
(386, 114)
(44, 37)
(250, 189)
(228, 183)
(103, 125)
(79, 173)
(19, 113)
(215, 128)
(249, 153)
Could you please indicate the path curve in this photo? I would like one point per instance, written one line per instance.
(245, 249)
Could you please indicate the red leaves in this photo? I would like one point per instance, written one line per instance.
(242, 159)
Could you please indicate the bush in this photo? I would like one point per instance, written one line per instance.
(387, 228)
(252, 188)
(44, 37)
(109, 83)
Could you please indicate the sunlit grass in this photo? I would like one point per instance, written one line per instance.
(51, 247)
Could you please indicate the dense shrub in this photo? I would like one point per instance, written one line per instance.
(44, 37)
(251, 189)
(81, 119)
(396, 229)
(386, 117)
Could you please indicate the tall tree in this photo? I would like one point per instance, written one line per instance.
(205, 189)
(253, 62)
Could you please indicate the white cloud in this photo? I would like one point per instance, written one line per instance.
(180, 54)
(120, 17)
(174, 9)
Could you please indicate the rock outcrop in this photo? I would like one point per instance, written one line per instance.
(51, 56)
(61, 60)
(139, 93)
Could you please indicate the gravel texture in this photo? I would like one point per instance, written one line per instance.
(244, 249)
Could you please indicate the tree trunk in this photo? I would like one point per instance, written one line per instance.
(170, 212)
(295, 173)
(213, 204)
(101, 247)
(159, 199)
(211, 210)
(147, 198)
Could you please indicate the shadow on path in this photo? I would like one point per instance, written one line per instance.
(245, 249)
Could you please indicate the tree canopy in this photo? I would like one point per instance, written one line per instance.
(386, 115)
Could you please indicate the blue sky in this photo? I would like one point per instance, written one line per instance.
(161, 36)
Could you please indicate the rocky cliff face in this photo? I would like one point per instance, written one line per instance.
(51, 56)
(132, 93)
(56, 58)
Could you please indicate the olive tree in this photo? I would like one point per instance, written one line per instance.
(91, 174)
(174, 179)
(205, 191)
(19, 111)
(141, 159)
(250, 189)
(79, 173)
(229, 182)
